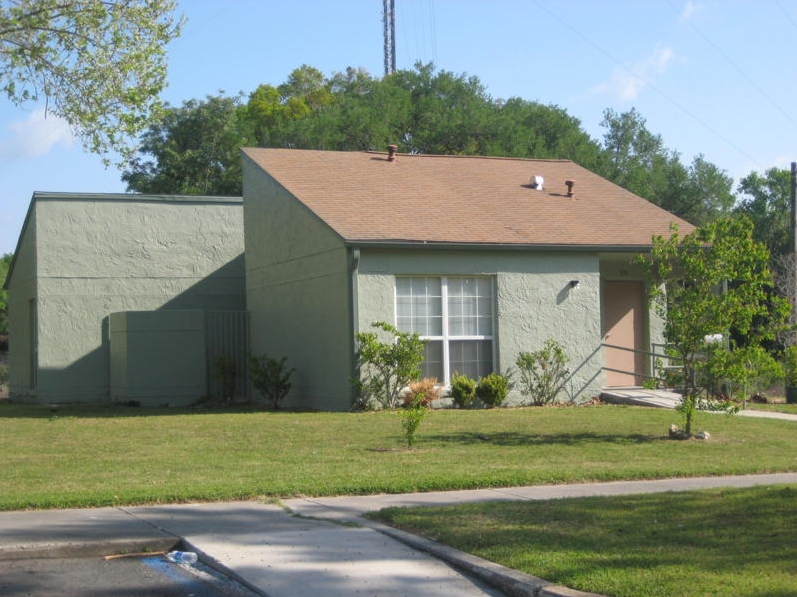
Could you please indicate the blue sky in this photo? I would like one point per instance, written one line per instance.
(715, 77)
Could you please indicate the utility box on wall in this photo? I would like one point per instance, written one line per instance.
(157, 357)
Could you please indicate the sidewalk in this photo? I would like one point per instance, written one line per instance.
(316, 546)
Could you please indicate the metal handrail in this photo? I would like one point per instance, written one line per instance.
(650, 353)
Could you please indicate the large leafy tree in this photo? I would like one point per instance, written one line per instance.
(451, 114)
(5, 263)
(99, 64)
(636, 159)
(523, 128)
(193, 150)
(632, 153)
(714, 281)
(765, 199)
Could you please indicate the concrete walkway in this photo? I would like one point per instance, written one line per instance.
(634, 396)
(316, 546)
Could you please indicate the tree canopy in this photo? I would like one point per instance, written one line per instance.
(98, 64)
(765, 199)
(5, 264)
(422, 110)
(716, 280)
(194, 149)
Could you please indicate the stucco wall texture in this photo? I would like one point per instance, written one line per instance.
(83, 257)
(533, 302)
(298, 293)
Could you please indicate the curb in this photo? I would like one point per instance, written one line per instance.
(512, 582)
(87, 549)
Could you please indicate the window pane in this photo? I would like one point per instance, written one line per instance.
(432, 365)
(418, 306)
(470, 307)
(473, 358)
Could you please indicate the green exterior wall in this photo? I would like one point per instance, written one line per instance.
(533, 302)
(298, 294)
(157, 358)
(83, 257)
(22, 324)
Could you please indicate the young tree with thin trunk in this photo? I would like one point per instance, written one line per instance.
(713, 281)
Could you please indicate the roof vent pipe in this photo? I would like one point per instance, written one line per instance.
(570, 184)
(391, 153)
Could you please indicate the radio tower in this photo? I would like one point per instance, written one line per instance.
(389, 21)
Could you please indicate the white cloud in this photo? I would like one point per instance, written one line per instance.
(690, 8)
(628, 82)
(35, 136)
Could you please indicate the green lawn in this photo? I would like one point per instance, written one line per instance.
(780, 407)
(103, 456)
(696, 544)
(740, 542)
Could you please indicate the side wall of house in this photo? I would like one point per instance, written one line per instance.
(298, 293)
(99, 256)
(534, 301)
(22, 314)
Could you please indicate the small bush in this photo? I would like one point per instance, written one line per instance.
(411, 416)
(493, 389)
(386, 367)
(543, 372)
(225, 372)
(463, 390)
(4, 375)
(271, 378)
(424, 391)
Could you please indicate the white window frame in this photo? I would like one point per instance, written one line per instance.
(446, 337)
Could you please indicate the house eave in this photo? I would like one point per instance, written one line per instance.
(466, 246)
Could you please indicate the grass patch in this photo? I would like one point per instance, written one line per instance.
(780, 407)
(696, 544)
(98, 456)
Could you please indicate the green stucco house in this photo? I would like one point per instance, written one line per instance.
(483, 257)
(119, 297)
(130, 298)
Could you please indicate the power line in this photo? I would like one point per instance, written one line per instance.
(650, 84)
(738, 69)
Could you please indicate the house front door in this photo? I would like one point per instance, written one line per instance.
(623, 326)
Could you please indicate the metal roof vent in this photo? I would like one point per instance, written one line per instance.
(391, 153)
(536, 182)
(570, 184)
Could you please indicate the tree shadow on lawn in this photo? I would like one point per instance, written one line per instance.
(512, 438)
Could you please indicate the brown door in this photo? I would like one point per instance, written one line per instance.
(623, 321)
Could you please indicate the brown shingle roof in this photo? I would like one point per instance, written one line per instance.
(459, 199)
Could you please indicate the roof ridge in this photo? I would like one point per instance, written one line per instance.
(470, 156)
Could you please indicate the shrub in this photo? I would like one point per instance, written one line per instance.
(4, 374)
(493, 389)
(225, 371)
(424, 391)
(463, 390)
(543, 372)
(271, 378)
(411, 416)
(386, 367)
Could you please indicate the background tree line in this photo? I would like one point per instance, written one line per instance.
(193, 148)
